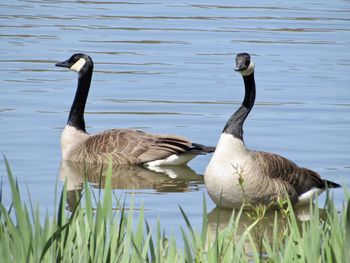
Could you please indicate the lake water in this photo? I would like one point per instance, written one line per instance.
(167, 67)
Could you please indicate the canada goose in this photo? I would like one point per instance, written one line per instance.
(122, 146)
(236, 174)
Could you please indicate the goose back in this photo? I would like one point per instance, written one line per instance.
(277, 167)
(127, 146)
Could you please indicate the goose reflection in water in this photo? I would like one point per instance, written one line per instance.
(161, 179)
(219, 220)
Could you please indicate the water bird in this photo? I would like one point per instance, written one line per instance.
(122, 146)
(236, 174)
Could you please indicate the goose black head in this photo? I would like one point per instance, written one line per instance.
(244, 64)
(78, 62)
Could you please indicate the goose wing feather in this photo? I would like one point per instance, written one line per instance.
(280, 168)
(127, 146)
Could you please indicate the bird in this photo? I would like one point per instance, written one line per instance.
(118, 146)
(237, 175)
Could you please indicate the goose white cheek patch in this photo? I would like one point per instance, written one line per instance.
(249, 70)
(78, 65)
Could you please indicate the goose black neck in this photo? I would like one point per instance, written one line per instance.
(76, 115)
(234, 125)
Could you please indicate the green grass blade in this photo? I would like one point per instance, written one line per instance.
(188, 253)
(22, 217)
(204, 223)
(347, 231)
(55, 236)
(193, 237)
(152, 251)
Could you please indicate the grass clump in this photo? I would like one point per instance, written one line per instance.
(95, 231)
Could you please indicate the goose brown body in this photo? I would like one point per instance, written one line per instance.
(127, 146)
(286, 176)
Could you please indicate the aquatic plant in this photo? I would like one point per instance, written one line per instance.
(97, 231)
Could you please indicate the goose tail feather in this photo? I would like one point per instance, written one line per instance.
(330, 184)
(202, 149)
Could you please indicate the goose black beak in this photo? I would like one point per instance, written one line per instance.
(240, 65)
(63, 64)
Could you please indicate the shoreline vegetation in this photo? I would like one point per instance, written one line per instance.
(102, 229)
